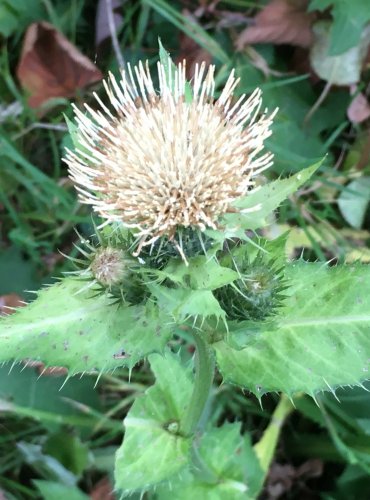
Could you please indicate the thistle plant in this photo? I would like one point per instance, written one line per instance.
(171, 168)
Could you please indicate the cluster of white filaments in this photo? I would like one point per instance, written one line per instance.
(171, 158)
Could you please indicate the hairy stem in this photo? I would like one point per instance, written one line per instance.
(204, 373)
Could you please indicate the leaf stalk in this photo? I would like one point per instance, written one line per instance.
(203, 380)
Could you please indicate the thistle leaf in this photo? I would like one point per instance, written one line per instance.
(170, 68)
(183, 303)
(319, 339)
(255, 207)
(152, 451)
(230, 469)
(82, 332)
(201, 273)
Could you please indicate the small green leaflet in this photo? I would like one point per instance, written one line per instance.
(170, 68)
(184, 303)
(152, 451)
(319, 340)
(201, 273)
(63, 327)
(255, 207)
(230, 469)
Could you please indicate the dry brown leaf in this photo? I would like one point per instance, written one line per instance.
(193, 53)
(359, 109)
(102, 490)
(51, 66)
(8, 302)
(281, 21)
(281, 478)
(51, 371)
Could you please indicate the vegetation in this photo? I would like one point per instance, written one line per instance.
(287, 412)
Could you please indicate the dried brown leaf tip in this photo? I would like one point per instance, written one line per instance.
(159, 160)
(50, 66)
(8, 303)
(280, 22)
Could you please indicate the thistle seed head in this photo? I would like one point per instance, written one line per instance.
(157, 160)
(109, 267)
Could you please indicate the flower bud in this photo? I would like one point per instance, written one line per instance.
(256, 294)
(109, 267)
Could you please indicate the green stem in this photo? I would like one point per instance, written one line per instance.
(204, 373)
(265, 448)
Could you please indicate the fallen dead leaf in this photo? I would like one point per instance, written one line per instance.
(193, 53)
(53, 371)
(282, 478)
(281, 21)
(359, 109)
(9, 302)
(102, 490)
(51, 66)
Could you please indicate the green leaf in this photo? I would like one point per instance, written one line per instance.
(170, 69)
(8, 21)
(354, 200)
(52, 491)
(15, 15)
(74, 136)
(46, 465)
(256, 206)
(201, 273)
(25, 393)
(152, 451)
(320, 338)
(16, 273)
(226, 467)
(182, 303)
(66, 327)
(343, 69)
(349, 19)
(69, 450)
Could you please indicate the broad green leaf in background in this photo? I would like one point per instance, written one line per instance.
(258, 205)
(319, 339)
(354, 200)
(82, 332)
(349, 20)
(17, 275)
(46, 465)
(352, 483)
(152, 451)
(51, 490)
(22, 390)
(344, 418)
(69, 450)
(343, 69)
(15, 15)
(226, 468)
